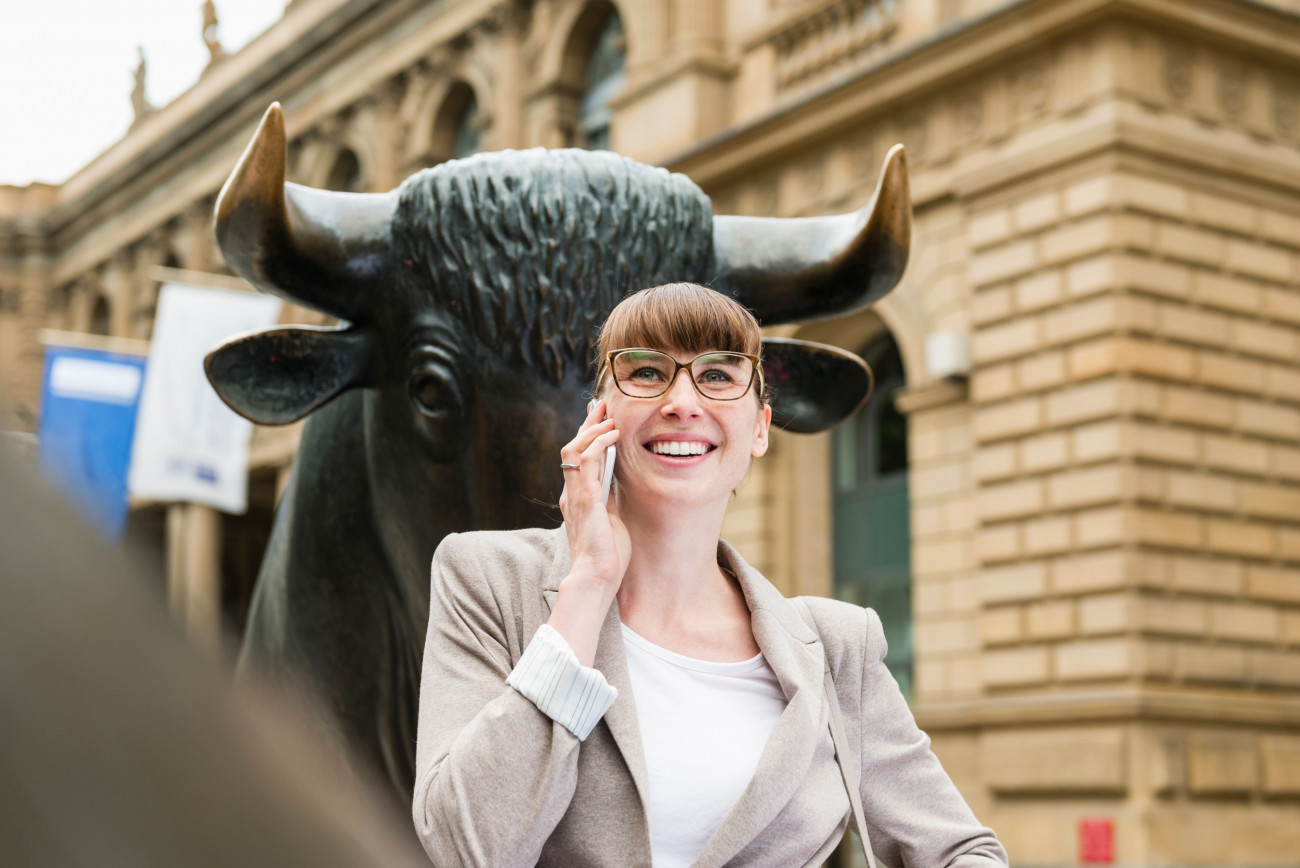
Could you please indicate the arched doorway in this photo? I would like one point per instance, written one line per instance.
(871, 509)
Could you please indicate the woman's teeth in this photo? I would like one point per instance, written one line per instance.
(679, 447)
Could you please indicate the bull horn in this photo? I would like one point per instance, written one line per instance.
(325, 250)
(787, 270)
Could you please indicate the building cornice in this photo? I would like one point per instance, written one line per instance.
(955, 53)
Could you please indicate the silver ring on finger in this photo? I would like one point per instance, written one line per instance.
(564, 466)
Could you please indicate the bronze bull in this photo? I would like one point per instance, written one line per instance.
(470, 295)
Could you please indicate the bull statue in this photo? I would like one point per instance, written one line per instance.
(470, 296)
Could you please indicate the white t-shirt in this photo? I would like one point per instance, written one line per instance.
(703, 726)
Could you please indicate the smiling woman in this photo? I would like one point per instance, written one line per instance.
(626, 689)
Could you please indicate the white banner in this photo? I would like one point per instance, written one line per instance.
(188, 444)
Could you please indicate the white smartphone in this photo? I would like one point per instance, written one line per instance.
(610, 454)
(608, 480)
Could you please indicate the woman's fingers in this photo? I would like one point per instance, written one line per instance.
(593, 460)
(582, 485)
(573, 450)
(585, 452)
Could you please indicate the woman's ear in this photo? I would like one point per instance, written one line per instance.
(761, 431)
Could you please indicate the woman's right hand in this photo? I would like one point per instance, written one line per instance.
(599, 545)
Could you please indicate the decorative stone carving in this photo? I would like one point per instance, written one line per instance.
(1284, 107)
(1178, 74)
(970, 116)
(1033, 89)
(813, 39)
(1232, 90)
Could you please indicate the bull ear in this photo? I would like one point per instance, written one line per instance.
(815, 386)
(787, 270)
(279, 375)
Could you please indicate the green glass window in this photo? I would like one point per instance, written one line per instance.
(467, 133)
(605, 74)
(873, 549)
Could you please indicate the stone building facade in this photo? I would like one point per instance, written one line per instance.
(1098, 339)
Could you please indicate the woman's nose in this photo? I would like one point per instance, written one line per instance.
(682, 398)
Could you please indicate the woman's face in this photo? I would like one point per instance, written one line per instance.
(721, 437)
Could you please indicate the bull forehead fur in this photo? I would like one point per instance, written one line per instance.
(530, 250)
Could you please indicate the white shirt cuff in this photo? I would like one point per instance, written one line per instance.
(549, 675)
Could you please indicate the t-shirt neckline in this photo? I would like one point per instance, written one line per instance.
(737, 667)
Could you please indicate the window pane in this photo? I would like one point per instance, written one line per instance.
(605, 73)
(872, 545)
(467, 134)
(890, 437)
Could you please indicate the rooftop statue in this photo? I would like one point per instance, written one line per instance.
(470, 296)
(139, 99)
(211, 32)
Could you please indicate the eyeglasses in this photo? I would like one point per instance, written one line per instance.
(643, 373)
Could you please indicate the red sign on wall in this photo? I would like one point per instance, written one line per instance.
(1097, 841)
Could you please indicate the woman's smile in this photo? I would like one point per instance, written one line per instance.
(679, 446)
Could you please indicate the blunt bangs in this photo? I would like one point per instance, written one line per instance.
(680, 316)
(685, 317)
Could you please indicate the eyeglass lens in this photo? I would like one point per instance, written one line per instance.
(649, 373)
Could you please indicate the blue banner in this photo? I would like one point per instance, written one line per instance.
(88, 408)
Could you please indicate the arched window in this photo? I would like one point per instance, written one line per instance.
(345, 175)
(467, 139)
(605, 74)
(455, 132)
(873, 549)
(100, 316)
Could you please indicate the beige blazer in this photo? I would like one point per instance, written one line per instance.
(500, 784)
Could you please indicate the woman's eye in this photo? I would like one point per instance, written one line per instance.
(715, 376)
(646, 374)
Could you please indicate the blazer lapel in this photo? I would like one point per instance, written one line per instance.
(612, 662)
(796, 656)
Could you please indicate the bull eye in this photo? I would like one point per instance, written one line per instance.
(431, 394)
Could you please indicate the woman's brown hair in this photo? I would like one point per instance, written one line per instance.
(685, 317)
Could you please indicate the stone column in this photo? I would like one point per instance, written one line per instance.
(698, 26)
(508, 35)
(194, 571)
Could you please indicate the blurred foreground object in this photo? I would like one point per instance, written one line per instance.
(121, 747)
